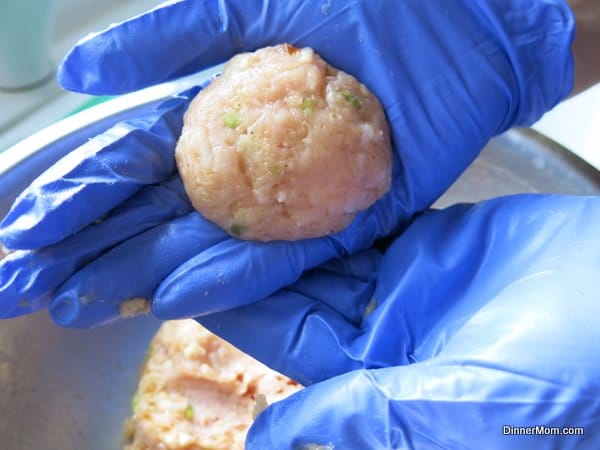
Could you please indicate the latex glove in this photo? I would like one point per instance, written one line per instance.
(476, 317)
(450, 75)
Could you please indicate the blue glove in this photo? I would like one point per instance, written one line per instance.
(476, 318)
(450, 75)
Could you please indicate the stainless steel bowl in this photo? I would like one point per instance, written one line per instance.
(70, 389)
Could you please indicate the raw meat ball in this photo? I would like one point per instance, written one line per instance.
(282, 146)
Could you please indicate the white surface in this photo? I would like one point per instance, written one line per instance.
(575, 124)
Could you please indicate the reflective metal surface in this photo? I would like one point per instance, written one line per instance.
(522, 160)
(64, 389)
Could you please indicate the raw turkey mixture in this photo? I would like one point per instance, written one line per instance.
(197, 392)
(284, 146)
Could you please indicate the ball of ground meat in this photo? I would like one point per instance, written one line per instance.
(282, 146)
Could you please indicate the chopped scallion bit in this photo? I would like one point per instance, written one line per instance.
(308, 104)
(351, 99)
(188, 412)
(275, 170)
(135, 401)
(231, 119)
(238, 229)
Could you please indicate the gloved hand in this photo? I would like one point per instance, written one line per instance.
(450, 75)
(476, 318)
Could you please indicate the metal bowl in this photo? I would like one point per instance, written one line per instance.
(71, 389)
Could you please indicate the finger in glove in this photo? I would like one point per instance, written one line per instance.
(96, 177)
(29, 278)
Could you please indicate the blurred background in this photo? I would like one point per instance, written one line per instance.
(34, 37)
(36, 34)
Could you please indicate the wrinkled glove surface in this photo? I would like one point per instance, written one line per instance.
(111, 222)
(475, 318)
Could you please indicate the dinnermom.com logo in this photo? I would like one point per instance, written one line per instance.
(542, 430)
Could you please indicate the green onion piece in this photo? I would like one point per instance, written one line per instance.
(238, 229)
(275, 170)
(188, 412)
(135, 401)
(351, 99)
(231, 119)
(308, 104)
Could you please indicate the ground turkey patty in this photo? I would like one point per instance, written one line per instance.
(284, 146)
(196, 392)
